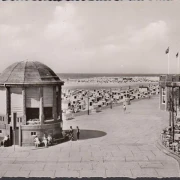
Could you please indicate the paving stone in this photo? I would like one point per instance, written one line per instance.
(167, 173)
(87, 158)
(75, 159)
(33, 167)
(7, 160)
(122, 153)
(136, 158)
(62, 159)
(146, 165)
(56, 166)
(4, 154)
(126, 165)
(52, 159)
(46, 173)
(118, 173)
(19, 154)
(117, 158)
(80, 166)
(97, 159)
(103, 165)
(68, 173)
(10, 173)
(24, 161)
(6, 167)
(2, 172)
(92, 173)
(144, 173)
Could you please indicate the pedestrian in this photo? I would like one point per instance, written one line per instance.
(6, 141)
(36, 141)
(49, 138)
(45, 141)
(78, 133)
(71, 133)
(124, 108)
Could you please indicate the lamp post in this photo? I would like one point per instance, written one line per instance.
(111, 97)
(88, 101)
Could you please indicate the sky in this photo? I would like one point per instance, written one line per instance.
(91, 37)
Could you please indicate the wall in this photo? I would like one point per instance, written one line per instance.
(27, 138)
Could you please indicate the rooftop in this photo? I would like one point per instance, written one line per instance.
(28, 72)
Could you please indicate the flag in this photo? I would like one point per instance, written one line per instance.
(177, 54)
(167, 50)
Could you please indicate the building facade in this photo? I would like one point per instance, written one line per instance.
(31, 91)
(169, 85)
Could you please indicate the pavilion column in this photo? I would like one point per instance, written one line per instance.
(41, 109)
(59, 103)
(24, 105)
(55, 114)
(8, 105)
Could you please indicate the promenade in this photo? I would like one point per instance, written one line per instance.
(113, 144)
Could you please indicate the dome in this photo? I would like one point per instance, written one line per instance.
(28, 72)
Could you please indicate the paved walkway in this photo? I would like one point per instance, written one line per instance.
(113, 144)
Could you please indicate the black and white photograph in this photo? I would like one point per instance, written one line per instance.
(90, 89)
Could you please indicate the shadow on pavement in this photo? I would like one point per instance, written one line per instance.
(89, 134)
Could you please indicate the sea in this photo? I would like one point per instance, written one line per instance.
(92, 75)
(66, 76)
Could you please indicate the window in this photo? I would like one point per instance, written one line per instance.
(33, 133)
(48, 113)
(0, 131)
(163, 91)
(163, 96)
(19, 119)
(1, 118)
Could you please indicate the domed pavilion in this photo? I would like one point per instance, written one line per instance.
(31, 91)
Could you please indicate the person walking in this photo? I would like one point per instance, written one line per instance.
(71, 133)
(78, 133)
(124, 108)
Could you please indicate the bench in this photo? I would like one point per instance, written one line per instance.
(58, 140)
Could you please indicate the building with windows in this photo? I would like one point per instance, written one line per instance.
(169, 88)
(31, 91)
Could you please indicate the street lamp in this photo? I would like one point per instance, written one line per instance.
(111, 97)
(88, 101)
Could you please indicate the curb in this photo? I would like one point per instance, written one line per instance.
(168, 152)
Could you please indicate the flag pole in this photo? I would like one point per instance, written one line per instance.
(168, 62)
(178, 65)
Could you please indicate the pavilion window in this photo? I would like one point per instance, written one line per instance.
(33, 133)
(48, 113)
